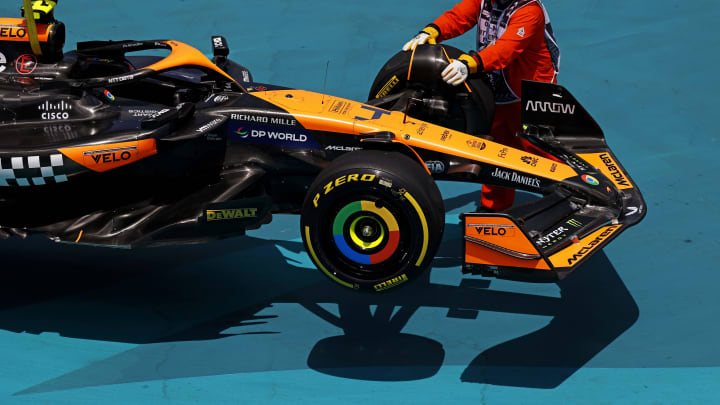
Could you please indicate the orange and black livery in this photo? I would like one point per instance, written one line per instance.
(136, 150)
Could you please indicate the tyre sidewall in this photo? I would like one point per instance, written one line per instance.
(406, 195)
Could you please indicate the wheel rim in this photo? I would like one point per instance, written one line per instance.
(365, 232)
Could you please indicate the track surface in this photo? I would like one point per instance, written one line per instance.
(248, 319)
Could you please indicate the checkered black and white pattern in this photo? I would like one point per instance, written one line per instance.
(31, 170)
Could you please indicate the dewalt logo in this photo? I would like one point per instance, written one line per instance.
(238, 213)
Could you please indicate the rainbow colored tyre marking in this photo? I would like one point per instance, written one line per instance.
(389, 232)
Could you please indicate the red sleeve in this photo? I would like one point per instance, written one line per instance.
(526, 26)
(459, 20)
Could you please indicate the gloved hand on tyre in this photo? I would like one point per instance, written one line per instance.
(459, 69)
(428, 35)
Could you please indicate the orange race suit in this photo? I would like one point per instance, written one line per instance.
(514, 43)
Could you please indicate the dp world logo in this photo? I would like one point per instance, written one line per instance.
(242, 132)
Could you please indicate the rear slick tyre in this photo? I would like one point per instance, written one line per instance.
(372, 220)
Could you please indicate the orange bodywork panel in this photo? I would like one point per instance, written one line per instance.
(572, 254)
(101, 158)
(327, 113)
(498, 241)
(185, 55)
(16, 29)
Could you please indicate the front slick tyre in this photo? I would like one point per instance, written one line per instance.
(372, 220)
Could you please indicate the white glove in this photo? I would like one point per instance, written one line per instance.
(419, 39)
(428, 35)
(456, 72)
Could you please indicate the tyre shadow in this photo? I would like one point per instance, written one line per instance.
(594, 309)
(234, 306)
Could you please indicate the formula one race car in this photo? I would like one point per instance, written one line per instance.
(101, 148)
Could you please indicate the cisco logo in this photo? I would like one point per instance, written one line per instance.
(55, 111)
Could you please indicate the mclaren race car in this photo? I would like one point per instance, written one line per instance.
(102, 147)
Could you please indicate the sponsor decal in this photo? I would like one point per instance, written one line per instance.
(209, 125)
(218, 42)
(445, 136)
(270, 135)
(503, 153)
(55, 111)
(249, 118)
(17, 32)
(109, 95)
(590, 180)
(99, 60)
(530, 160)
(221, 99)
(521, 32)
(633, 211)
(243, 132)
(101, 158)
(145, 113)
(421, 129)
(574, 223)
(552, 236)
(161, 112)
(340, 107)
(264, 120)
(393, 282)
(377, 113)
(493, 230)
(546, 106)
(435, 166)
(246, 76)
(516, 178)
(114, 155)
(132, 45)
(387, 88)
(237, 213)
(111, 157)
(281, 136)
(283, 121)
(553, 168)
(615, 173)
(25, 64)
(475, 144)
(121, 79)
(341, 181)
(3, 61)
(592, 244)
(342, 148)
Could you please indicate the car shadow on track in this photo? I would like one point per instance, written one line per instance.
(237, 306)
(593, 309)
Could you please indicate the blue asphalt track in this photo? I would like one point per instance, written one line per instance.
(248, 320)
